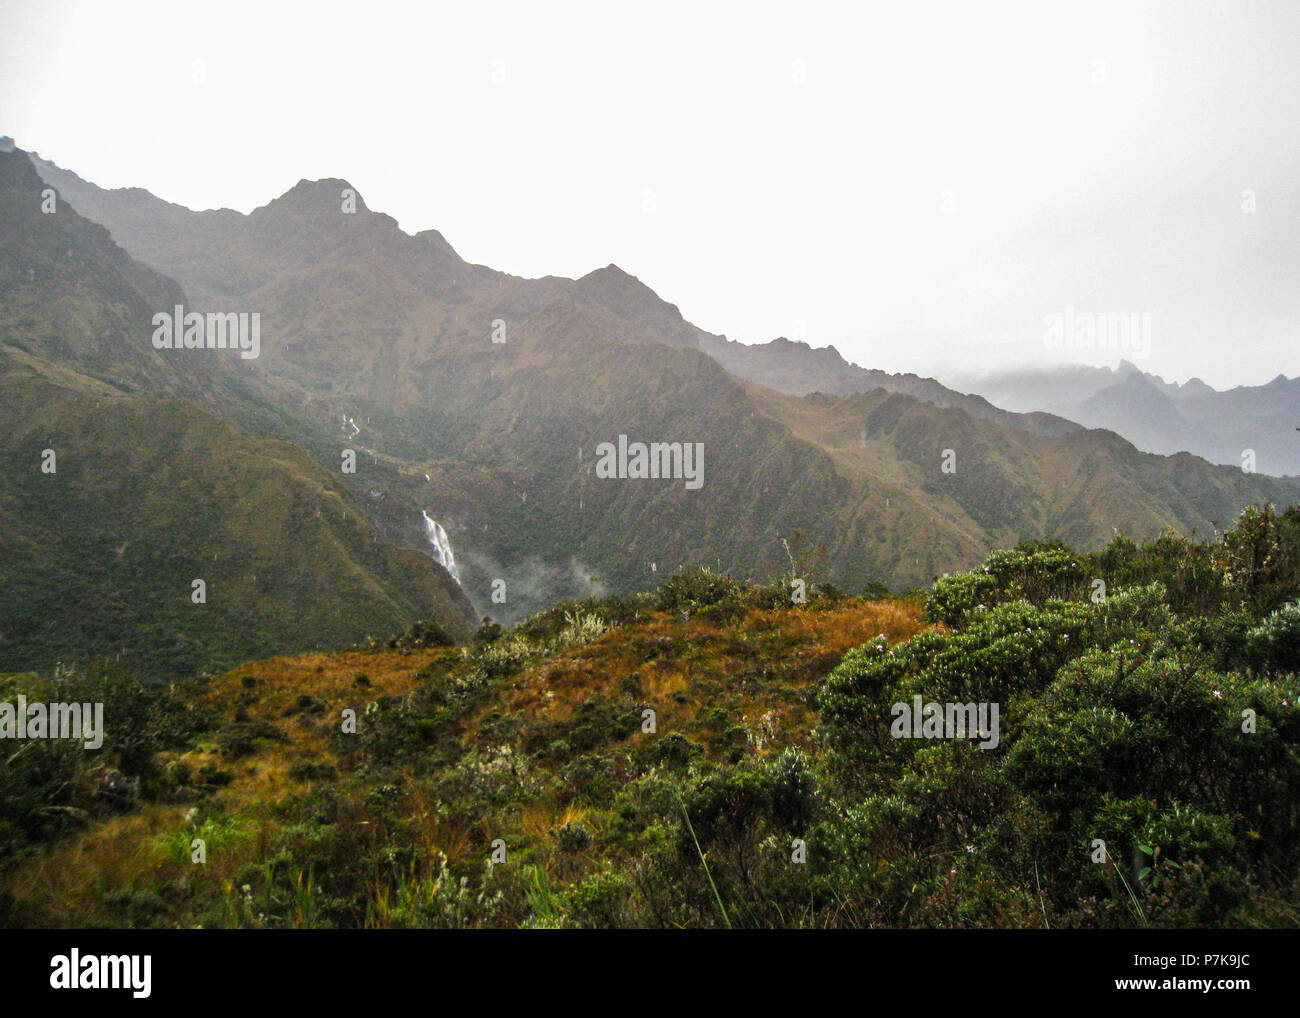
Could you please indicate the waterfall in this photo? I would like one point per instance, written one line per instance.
(441, 545)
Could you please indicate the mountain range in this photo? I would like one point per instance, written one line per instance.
(479, 398)
(1165, 417)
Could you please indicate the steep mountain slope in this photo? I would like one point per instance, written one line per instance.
(148, 487)
(398, 336)
(71, 296)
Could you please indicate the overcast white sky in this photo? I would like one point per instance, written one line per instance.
(918, 184)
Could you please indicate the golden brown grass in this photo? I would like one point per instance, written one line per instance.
(676, 661)
(120, 854)
(811, 641)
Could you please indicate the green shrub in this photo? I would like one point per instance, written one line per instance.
(309, 770)
(951, 597)
(425, 633)
(691, 590)
(1275, 642)
(573, 838)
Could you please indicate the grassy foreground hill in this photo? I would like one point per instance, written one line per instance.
(717, 753)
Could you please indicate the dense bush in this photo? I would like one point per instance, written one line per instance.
(1275, 642)
(1170, 737)
(421, 634)
(49, 787)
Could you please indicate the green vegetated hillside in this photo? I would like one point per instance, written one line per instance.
(152, 486)
(1005, 484)
(395, 332)
(76, 303)
(716, 754)
(149, 495)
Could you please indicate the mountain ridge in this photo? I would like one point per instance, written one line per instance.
(365, 321)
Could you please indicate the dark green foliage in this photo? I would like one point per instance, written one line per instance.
(1193, 579)
(1169, 734)
(673, 750)
(49, 787)
(240, 738)
(309, 770)
(424, 633)
(1261, 557)
(573, 838)
(1032, 572)
(951, 597)
(695, 589)
(1275, 643)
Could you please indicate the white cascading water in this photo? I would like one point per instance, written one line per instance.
(441, 545)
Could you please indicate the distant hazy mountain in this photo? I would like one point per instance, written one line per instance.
(481, 397)
(799, 369)
(1164, 417)
(148, 485)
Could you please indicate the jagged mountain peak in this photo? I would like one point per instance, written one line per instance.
(826, 353)
(326, 194)
(613, 277)
(1139, 380)
(1196, 387)
(436, 241)
(632, 310)
(17, 170)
